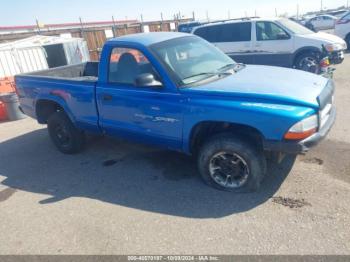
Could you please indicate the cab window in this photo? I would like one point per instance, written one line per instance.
(126, 64)
(267, 31)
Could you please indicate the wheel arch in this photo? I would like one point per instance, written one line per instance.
(45, 107)
(304, 50)
(205, 129)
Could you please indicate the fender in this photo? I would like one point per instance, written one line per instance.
(253, 115)
(52, 96)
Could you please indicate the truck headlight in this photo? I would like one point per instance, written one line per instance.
(303, 129)
(334, 47)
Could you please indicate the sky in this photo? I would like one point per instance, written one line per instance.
(25, 12)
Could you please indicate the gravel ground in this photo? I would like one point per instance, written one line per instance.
(121, 198)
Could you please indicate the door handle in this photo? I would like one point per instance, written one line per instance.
(107, 97)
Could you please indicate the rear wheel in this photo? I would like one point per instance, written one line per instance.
(230, 164)
(66, 137)
(308, 62)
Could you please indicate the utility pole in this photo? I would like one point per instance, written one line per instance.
(276, 14)
(193, 16)
(255, 13)
(141, 23)
(113, 20)
(229, 14)
(38, 26)
(114, 27)
(82, 27)
(297, 11)
(207, 14)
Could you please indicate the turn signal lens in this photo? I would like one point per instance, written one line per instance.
(300, 136)
(325, 62)
(303, 129)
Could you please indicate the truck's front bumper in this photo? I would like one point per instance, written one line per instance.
(337, 57)
(301, 147)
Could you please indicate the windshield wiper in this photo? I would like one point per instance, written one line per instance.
(235, 66)
(208, 74)
(228, 66)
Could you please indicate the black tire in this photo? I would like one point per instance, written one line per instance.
(278, 164)
(66, 137)
(308, 62)
(247, 156)
(347, 40)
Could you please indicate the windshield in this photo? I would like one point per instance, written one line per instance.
(295, 27)
(346, 16)
(192, 59)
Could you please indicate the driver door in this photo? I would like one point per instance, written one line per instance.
(146, 114)
(273, 45)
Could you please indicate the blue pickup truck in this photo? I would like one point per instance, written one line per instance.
(179, 92)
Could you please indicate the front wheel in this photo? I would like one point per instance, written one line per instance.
(230, 164)
(308, 62)
(67, 138)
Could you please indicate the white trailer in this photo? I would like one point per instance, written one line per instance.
(40, 53)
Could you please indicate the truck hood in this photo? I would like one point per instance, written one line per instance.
(325, 38)
(281, 85)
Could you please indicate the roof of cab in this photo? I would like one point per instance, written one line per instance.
(148, 39)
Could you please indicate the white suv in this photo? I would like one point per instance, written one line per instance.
(278, 41)
(342, 28)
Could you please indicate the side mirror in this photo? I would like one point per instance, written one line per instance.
(147, 80)
(282, 36)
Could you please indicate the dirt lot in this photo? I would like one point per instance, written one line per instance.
(119, 198)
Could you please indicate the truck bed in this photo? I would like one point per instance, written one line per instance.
(80, 72)
(72, 86)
